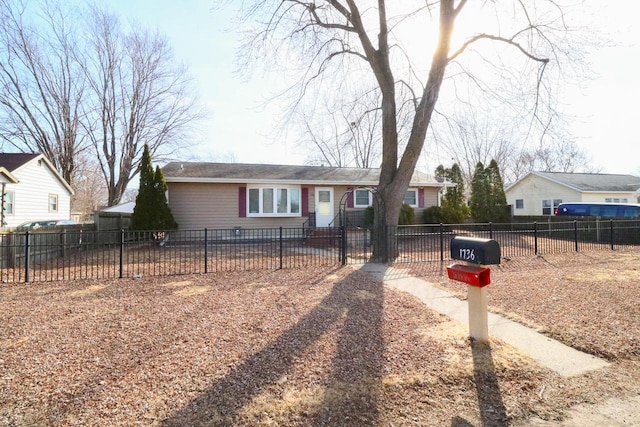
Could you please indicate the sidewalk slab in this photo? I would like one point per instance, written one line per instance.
(550, 353)
(614, 412)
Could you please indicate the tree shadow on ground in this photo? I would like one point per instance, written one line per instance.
(492, 409)
(349, 398)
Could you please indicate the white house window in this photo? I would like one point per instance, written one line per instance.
(267, 200)
(8, 202)
(519, 203)
(411, 198)
(53, 203)
(273, 201)
(549, 206)
(616, 200)
(363, 199)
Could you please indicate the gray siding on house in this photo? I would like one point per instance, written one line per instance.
(196, 206)
(201, 205)
(430, 199)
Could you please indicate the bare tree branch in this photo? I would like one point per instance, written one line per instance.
(42, 85)
(509, 41)
(139, 97)
(321, 38)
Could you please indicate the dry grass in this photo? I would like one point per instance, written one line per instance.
(319, 346)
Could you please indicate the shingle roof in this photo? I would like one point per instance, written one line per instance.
(243, 172)
(12, 161)
(594, 181)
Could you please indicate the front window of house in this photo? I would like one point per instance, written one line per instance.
(616, 200)
(273, 201)
(8, 202)
(53, 203)
(549, 206)
(411, 198)
(519, 203)
(363, 198)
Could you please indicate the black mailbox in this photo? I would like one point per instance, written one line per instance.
(475, 250)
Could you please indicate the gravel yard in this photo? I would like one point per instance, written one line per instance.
(310, 347)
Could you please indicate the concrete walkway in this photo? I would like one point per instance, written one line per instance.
(613, 412)
(550, 353)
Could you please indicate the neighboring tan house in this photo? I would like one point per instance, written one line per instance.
(32, 190)
(539, 193)
(230, 195)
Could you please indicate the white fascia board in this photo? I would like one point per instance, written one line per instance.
(8, 177)
(258, 181)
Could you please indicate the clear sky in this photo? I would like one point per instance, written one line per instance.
(239, 129)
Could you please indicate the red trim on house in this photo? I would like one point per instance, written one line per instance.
(421, 197)
(305, 201)
(242, 202)
(350, 197)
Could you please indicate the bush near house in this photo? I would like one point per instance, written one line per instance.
(152, 211)
(407, 215)
(433, 215)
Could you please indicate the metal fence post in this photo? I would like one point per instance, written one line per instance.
(535, 237)
(343, 245)
(206, 251)
(121, 275)
(575, 233)
(26, 257)
(280, 242)
(441, 242)
(490, 230)
(63, 243)
(611, 233)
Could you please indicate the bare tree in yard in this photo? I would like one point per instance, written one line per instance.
(334, 38)
(140, 97)
(90, 192)
(343, 135)
(41, 84)
(74, 84)
(470, 136)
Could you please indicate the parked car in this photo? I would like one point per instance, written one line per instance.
(34, 225)
(602, 210)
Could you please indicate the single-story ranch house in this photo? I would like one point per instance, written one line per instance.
(230, 195)
(540, 193)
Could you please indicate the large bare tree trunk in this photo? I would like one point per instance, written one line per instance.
(394, 178)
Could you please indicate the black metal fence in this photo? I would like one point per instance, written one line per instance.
(79, 254)
(419, 243)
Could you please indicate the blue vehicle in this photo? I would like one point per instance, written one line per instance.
(602, 210)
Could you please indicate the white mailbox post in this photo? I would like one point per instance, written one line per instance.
(479, 252)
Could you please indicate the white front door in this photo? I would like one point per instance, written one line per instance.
(324, 206)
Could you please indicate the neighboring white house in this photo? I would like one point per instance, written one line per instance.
(32, 190)
(539, 193)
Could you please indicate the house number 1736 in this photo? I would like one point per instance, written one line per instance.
(467, 254)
